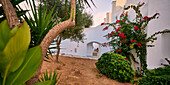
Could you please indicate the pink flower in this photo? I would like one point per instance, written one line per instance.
(123, 20)
(126, 13)
(119, 35)
(139, 44)
(124, 41)
(121, 14)
(118, 21)
(118, 29)
(102, 23)
(120, 50)
(126, 59)
(139, 16)
(104, 44)
(105, 28)
(122, 35)
(112, 32)
(146, 17)
(136, 28)
(134, 41)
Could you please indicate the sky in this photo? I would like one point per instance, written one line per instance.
(99, 12)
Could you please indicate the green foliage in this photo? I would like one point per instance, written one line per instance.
(17, 62)
(62, 11)
(40, 23)
(158, 76)
(28, 68)
(116, 67)
(49, 82)
(55, 77)
(159, 71)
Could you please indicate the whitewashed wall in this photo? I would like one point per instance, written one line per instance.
(95, 34)
(157, 54)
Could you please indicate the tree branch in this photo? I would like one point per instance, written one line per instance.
(10, 13)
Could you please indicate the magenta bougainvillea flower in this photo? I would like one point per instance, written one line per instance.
(105, 28)
(118, 21)
(122, 15)
(136, 28)
(139, 44)
(102, 23)
(119, 50)
(133, 41)
(119, 28)
(146, 17)
(123, 20)
(112, 32)
(126, 59)
(122, 35)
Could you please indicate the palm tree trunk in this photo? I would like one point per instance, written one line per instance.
(10, 13)
(48, 39)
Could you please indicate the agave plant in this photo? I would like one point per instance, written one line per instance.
(54, 77)
(40, 23)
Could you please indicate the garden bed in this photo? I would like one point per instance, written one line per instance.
(79, 71)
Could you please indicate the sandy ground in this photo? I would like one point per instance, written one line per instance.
(78, 71)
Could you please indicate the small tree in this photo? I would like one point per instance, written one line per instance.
(74, 33)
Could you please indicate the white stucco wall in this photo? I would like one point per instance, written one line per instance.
(155, 54)
(95, 34)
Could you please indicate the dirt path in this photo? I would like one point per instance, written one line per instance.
(78, 71)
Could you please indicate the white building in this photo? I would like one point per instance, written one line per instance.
(94, 36)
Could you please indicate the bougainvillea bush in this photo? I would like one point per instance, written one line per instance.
(130, 35)
(116, 67)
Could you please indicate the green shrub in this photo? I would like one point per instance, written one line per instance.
(158, 76)
(158, 71)
(116, 67)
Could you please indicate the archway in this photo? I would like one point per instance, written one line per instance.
(93, 49)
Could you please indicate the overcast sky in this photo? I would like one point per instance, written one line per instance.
(99, 13)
